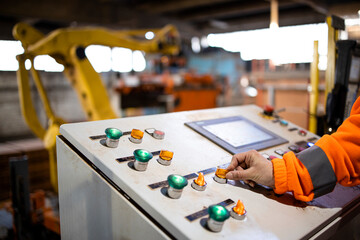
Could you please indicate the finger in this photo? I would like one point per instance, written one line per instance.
(238, 168)
(237, 175)
(230, 176)
(251, 183)
(236, 160)
(233, 164)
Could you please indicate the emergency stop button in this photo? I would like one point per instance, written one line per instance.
(302, 133)
(268, 110)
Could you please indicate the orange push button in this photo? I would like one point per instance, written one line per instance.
(136, 136)
(165, 157)
(239, 208)
(238, 212)
(200, 180)
(220, 175)
(199, 183)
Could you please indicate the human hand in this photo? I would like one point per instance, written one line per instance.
(251, 167)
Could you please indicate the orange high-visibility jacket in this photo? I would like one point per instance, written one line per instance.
(315, 171)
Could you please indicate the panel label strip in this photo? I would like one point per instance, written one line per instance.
(103, 136)
(96, 137)
(207, 171)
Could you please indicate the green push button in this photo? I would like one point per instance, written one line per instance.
(112, 137)
(142, 155)
(177, 181)
(218, 213)
(113, 133)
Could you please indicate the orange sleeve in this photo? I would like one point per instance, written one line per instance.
(342, 151)
(343, 148)
(292, 176)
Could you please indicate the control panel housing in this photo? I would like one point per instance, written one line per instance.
(102, 196)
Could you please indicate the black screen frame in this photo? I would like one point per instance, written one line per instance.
(198, 127)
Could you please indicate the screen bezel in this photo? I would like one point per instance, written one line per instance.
(198, 127)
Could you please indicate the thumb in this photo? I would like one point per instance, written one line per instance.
(238, 174)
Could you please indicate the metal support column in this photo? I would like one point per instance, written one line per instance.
(314, 93)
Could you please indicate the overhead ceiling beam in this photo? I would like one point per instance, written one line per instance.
(192, 17)
(349, 10)
(176, 5)
(107, 15)
(294, 17)
(223, 11)
(318, 6)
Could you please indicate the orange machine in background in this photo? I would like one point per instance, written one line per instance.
(197, 92)
(188, 91)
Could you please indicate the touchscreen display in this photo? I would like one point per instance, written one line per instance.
(238, 133)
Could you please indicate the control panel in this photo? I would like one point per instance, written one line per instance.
(155, 177)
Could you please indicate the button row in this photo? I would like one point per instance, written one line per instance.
(268, 113)
(298, 147)
(113, 135)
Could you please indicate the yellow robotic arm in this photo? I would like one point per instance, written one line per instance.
(67, 47)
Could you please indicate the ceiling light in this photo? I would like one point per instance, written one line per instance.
(195, 44)
(149, 35)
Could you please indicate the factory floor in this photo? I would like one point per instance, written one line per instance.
(38, 164)
(6, 221)
(39, 181)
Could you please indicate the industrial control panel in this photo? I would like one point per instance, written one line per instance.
(161, 177)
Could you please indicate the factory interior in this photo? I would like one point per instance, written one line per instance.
(77, 77)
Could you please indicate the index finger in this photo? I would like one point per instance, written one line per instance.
(236, 160)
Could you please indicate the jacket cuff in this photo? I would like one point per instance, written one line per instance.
(280, 176)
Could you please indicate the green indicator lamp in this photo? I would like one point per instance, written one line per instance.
(217, 216)
(142, 158)
(176, 185)
(112, 137)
